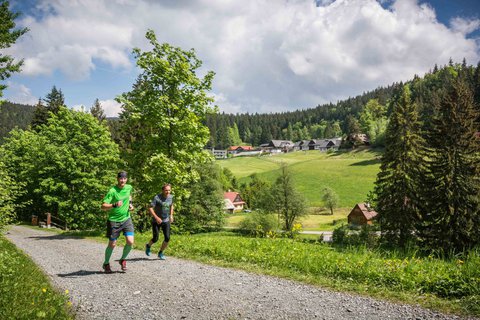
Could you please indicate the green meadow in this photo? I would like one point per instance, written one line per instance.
(351, 174)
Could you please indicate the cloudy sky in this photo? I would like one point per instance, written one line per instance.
(268, 55)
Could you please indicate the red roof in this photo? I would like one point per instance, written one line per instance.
(232, 196)
(368, 213)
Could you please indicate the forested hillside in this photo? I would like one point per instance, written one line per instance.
(324, 121)
(14, 115)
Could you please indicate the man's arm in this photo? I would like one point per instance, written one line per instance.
(171, 213)
(108, 206)
(152, 212)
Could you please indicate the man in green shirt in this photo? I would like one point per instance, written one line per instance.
(118, 202)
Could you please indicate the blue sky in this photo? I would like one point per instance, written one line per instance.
(268, 56)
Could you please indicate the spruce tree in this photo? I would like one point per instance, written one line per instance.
(54, 101)
(8, 36)
(451, 220)
(97, 111)
(397, 182)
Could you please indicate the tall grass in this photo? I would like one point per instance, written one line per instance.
(25, 292)
(446, 284)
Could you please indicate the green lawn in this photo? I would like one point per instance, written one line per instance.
(350, 174)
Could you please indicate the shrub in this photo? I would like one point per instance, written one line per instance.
(260, 224)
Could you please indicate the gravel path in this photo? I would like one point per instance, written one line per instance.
(181, 289)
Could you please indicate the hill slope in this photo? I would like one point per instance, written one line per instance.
(350, 174)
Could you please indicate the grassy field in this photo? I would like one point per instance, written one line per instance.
(311, 222)
(25, 291)
(350, 174)
(449, 285)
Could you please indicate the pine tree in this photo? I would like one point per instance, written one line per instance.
(397, 182)
(451, 220)
(54, 101)
(8, 36)
(97, 111)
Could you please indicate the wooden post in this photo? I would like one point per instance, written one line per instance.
(49, 219)
(34, 220)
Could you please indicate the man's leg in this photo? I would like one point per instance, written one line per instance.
(166, 239)
(128, 247)
(155, 232)
(109, 251)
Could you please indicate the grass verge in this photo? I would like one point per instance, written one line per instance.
(446, 285)
(25, 291)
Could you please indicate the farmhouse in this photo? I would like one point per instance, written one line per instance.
(219, 154)
(301, 145)
(278, 146)
(233, 199)
(361, 214)
(324, 144)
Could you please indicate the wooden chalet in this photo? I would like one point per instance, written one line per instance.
(361, 214)
(235, 199)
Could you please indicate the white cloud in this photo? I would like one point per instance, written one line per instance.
(465, 26)
(111, 107)
(19, 93)
(267, 55)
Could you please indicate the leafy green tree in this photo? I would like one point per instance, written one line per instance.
(451, 220)
(256, 192)
(97, 111)
(203, 208)
(234, 136)
(286, 201)
(21, 154)
(228, 179)
(9, 193)
(67, 166)
(330, 199)
(373, 122)
(397, 186)
(8, 36)
(163, 119)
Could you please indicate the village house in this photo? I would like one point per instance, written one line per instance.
(301, 145)
(325, 144)
(361, 214)
(219, 154)
(233, 202)
(278, 146)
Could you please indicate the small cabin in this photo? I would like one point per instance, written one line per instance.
(361, 214)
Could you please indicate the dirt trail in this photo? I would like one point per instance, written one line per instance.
(181, 289)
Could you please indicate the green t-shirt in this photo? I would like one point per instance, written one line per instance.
(116, 194)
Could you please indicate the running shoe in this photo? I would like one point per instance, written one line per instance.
(161, 256)
(147, 250)
(106, 268)
(123, 264)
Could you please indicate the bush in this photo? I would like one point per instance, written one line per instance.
(260, 224)
(364, 235)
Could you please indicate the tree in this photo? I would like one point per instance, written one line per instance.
(9, 193)
(163, 118)
(373, 121)
(54, 101)
(203, 207)
(330, 199)
(234, 136)
(398, 183)
(8, 36)
(97, 111)
(451, 220)
(67, 165)
(256, 192)
(286, 201)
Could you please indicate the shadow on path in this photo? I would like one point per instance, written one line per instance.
(81, 273)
